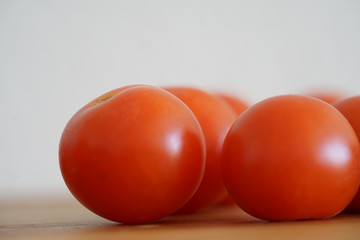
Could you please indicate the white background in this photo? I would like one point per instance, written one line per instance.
(55, 56)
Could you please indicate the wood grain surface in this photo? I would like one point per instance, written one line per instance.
(67, 219)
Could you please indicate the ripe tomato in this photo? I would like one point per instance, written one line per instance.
(215, 118)
(350, 108)
(237, 104)
(133, 155)
(291, 157)
(327, 96)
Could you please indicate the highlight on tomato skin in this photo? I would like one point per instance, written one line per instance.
(215, 118)
(350, 108)
(291, 157)
(133, 155)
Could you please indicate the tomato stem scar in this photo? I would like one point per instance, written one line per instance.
(104, 99)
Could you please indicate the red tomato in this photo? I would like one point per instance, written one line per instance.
(239, 106)
(215, 118)
(327, 96)
(235, 103)
(350, 108)
(291, 157)
(133, 155)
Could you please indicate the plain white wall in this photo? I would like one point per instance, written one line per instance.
(55, 56)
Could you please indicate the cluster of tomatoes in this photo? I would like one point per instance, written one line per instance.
(140, 153)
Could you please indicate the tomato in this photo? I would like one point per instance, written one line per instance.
(327, 96)
(237, 104)
(133, 155)
(215, 118)
(291, 157)
(350, 108)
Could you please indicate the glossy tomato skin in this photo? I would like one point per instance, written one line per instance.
(291, 157)
(133, 155)
(350, 108)
(215, 118)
